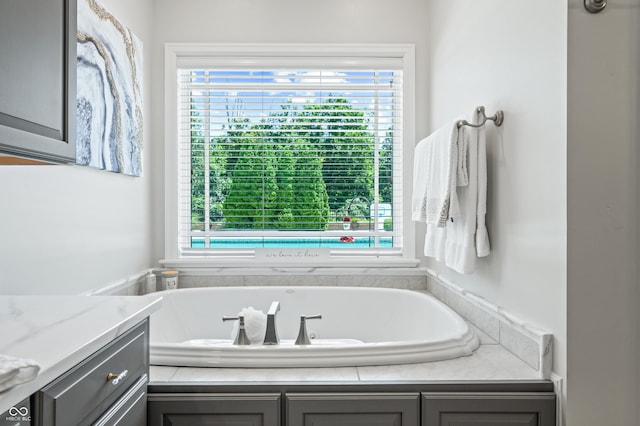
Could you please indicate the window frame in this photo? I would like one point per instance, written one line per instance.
(305, 55)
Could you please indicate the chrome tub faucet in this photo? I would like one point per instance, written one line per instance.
(271, 334)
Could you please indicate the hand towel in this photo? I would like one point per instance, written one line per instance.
(436, 236)
(462, 174)
(435, 173)
(434, 242)
(483, 248)
(15, 371)
(466, 235)
(418, 199)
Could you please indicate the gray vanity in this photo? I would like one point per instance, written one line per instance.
(93, 354)
(109, 387)
(530, 403)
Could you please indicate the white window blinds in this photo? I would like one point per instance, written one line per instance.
(289, 157)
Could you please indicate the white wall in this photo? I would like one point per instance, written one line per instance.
(506, 54)
(69, 229)
(487, 53)
(603, 319)
(285, 21)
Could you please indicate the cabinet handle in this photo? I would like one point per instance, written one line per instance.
(116, 378)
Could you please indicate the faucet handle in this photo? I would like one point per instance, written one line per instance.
(241, 338)
(230, 318)
(303, 336)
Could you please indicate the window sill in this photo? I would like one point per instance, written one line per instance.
(231, 266)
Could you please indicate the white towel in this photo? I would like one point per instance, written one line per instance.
(434, 176)
(436, 237)
(462, 175)
(483, 248)
(434, 242)
(418, 199)
(255, 325)
(15, 371)
(466, 234)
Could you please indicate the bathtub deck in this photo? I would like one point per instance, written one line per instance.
(490, 362)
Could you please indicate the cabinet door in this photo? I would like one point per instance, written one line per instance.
(214, 409)
(37, 78)
(351, 409)
(470, 409)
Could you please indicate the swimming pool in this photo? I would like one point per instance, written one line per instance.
(322, 242)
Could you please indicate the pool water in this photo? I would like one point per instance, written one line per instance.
(327, 242)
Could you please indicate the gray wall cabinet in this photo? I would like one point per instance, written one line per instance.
(348, 409)
(214, 410)
(480, 409)
(108, 388)
(38, 79)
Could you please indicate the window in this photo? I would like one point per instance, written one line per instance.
(288, 147)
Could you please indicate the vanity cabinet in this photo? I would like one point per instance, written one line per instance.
(214, 409)
(108, 388)
(344, 409)
(481, 409)
(38, 79)
(394, 404)
(303, 409)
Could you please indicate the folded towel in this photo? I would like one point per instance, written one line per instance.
(15, 371)
(483, 248)
(255, 325)
(434, 176)
(462, 173)
(419, 196)
(466, 234)
(434, 242)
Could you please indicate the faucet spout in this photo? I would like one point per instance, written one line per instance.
(271, 334)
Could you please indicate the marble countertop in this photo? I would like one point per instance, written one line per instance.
(58, 332)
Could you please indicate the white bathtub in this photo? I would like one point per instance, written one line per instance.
(359, 326)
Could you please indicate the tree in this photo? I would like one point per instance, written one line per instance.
(346, 147)
(252, 198)
(385, 170)
(311, 206)
(291, 169)
(197, 172)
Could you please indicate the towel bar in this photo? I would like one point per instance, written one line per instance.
(595, 6)
(497, 119)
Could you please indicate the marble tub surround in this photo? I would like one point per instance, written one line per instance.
(488, 363)
(531, 345)
(58, 332)
(410, 279)
(491, 322)
(145, 281)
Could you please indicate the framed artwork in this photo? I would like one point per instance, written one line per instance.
(109, 92)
